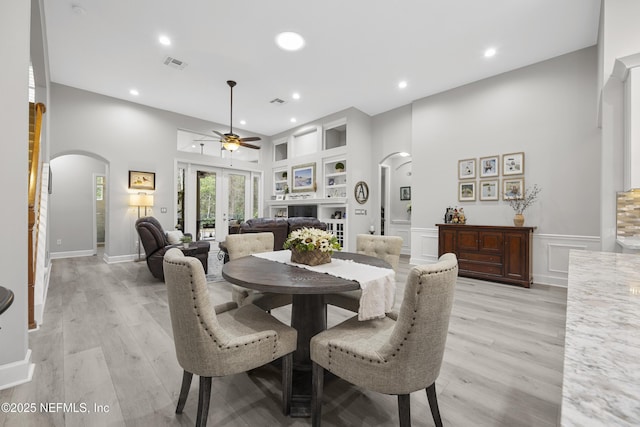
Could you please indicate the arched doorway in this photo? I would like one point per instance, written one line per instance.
(78, 205)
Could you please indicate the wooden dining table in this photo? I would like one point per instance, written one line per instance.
(308, 311)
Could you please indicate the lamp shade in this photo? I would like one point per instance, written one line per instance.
(142, 199)
(231, 146)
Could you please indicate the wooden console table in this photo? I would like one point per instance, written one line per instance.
(499, 254)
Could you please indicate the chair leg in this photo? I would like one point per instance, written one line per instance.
(184, 391)
(287, 375)
(404, 410)
(433, 404)
(317, 384)
(203, 401)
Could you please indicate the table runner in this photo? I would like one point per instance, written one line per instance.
(378, 284)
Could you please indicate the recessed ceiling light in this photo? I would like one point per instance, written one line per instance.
(293, 120)
(164, 40)
(134, 92)
(78, 10)
(489, 52)
(402, 84)
(295, 95)
(243, 122)
(193, 145)
(290, 41)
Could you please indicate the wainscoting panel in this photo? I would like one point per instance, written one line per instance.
(401, 228)
(550, 253)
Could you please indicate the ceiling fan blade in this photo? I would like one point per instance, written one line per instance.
(251, 138)
(244, 144)
(221, 135)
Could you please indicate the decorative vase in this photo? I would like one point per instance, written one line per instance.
(518, 220)
(185, 245)
(310, 257)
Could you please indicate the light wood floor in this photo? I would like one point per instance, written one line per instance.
(106, 339)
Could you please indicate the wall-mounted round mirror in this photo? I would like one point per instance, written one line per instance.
(361, 192)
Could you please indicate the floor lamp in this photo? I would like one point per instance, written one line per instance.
(141, 200)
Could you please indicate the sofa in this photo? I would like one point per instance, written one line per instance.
(155, 243)
(280, 227)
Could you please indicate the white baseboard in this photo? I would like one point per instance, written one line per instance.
(16, 373)
(38, 309)
(120, 258)
(71, 254)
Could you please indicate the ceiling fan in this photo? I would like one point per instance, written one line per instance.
(230, 141)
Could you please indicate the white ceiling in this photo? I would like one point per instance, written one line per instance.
(356, 51)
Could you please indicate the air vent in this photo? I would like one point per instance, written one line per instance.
(277, 101)
(174, 63)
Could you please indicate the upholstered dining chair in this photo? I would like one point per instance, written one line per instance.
(222, 340)
(241, 245)
(384, 247)
(399, 354)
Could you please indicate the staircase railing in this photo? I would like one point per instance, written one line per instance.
(35, 128)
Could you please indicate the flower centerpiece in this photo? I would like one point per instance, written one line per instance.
(311, 246)
(521, 202)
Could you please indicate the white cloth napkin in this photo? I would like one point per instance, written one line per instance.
(378, 284)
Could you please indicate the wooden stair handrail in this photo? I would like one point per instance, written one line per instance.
(36, 111)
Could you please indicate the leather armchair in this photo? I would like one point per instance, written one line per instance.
(155, 243)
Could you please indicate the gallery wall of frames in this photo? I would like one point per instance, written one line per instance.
(490, 178)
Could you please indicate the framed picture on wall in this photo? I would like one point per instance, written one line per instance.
(467, 169)
(513, 164)
(142, 180)
(512, 188)
(489, 190)
(405, 193)
(467, 191)
(489, 166)
(303, 178)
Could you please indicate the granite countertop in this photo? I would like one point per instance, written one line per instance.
(601, 384)
(629, 242)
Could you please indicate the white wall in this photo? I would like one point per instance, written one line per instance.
(619, 37)
(548, 111)
(15, 366)
(127, 136)
(71, 204)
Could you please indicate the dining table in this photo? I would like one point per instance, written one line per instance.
(308, 311)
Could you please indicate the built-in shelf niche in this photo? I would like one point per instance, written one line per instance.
(335, 178)
(335, 135)
(280, 150)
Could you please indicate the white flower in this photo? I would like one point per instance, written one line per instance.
(310, 239)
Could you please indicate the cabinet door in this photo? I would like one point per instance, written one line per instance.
(467, 240)
(446, 242)
(490, 241)
(517, 256)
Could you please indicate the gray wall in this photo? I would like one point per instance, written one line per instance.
(71, 202)
(127, 136)
(548, 111)
(14, 122)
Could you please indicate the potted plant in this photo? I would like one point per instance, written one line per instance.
(339, 167)
(311, 246)
(521, 202)
(186, 241)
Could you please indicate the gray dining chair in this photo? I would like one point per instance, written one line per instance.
(383, 247)
(222, 340)
(241, 245)
(399, 354)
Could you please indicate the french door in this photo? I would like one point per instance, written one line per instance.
(217, 200)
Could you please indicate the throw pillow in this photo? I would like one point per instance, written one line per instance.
(173, 237)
